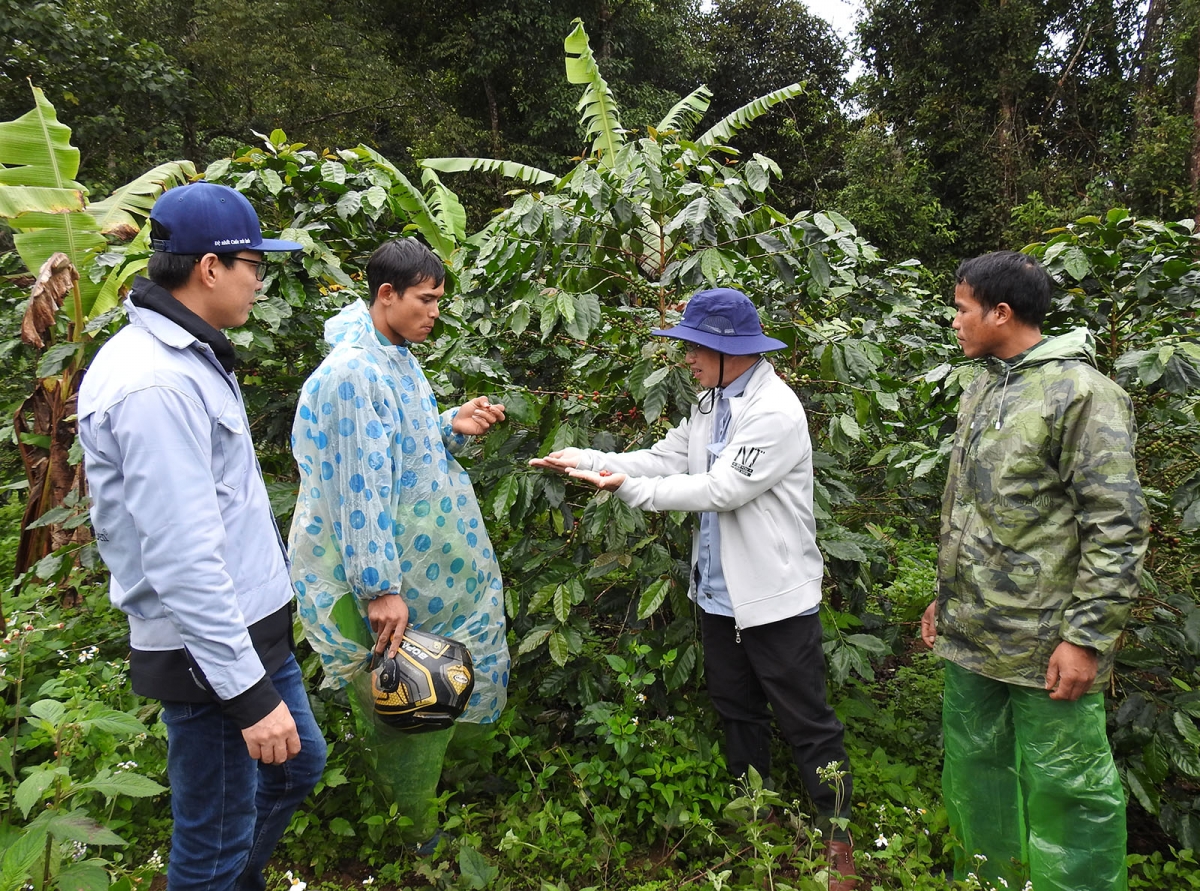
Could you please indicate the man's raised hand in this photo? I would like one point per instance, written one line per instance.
(476, 417)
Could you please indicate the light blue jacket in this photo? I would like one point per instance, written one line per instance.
(385, 507)
(179, 507)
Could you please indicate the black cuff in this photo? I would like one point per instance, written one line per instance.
(252, 705)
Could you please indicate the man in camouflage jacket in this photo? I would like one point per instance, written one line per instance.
(1043, 533)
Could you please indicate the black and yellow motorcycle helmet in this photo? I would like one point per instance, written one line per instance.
(425, 686)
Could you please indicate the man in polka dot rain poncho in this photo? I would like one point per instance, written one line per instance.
(385, 511)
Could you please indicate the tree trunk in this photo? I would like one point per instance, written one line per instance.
(606, 15)
(50, 474)
(493, 114)
(46, 424)
(1007, 138)
(1148, 51)
(1195, 171)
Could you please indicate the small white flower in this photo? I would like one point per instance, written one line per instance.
(670, 719)
(348, 736)
(882, 841)
(155, 861)
(297, 885)
(369, 880)
(127, 765)
(634, 720)
(982, 858)
(78, 850)
(641, 697)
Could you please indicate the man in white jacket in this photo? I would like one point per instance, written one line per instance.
(743, 462)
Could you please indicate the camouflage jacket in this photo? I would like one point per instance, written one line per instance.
(1044, 525)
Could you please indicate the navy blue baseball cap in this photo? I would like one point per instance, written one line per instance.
(204, 218)
(724, 320)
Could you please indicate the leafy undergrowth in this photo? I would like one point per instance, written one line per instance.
(625, 791)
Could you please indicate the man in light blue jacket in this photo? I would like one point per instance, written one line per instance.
(743, 463)
(182, 519)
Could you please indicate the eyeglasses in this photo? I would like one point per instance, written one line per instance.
(260, 266)
(689, 347)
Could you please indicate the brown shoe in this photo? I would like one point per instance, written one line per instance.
(840, 855)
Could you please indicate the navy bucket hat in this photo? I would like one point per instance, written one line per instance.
(204, 218)
(722, 319)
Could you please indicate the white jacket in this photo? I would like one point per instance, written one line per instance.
(761, 485)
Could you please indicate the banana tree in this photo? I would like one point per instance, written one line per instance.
(61, 236)
(45, 422)
(653, 214)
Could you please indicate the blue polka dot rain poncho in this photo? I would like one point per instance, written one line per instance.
(384, 506)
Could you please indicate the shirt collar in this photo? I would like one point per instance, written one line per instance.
(737, 386)
(147, 295)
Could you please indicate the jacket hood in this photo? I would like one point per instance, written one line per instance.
(1078, 345)
(1075, 344)
(352, 325)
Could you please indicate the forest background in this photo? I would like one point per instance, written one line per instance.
(1069, 129)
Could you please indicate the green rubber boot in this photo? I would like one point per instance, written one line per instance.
(406, 767)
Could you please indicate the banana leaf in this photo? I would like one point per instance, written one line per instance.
(688, 110)
(41, 200)
(447, 210)
(532, 175)
(413, 203)
(115, 214)
(599, 106)
(743, 117)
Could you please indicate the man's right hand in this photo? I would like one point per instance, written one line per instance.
(929, 625)
(388, 616)
(274, 739)
(562, 461)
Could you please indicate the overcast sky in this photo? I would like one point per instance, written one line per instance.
(839, 13)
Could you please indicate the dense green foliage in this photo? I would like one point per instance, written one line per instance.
(970, 129)
(1023, 105)
(606, 770)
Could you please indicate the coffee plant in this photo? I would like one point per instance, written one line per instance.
(608, 749)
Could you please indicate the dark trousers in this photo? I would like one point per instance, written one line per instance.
(229, 810)
(780, 665)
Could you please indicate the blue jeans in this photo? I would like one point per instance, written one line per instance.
(229, 810)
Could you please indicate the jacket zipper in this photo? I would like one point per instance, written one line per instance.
(1003, 396)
